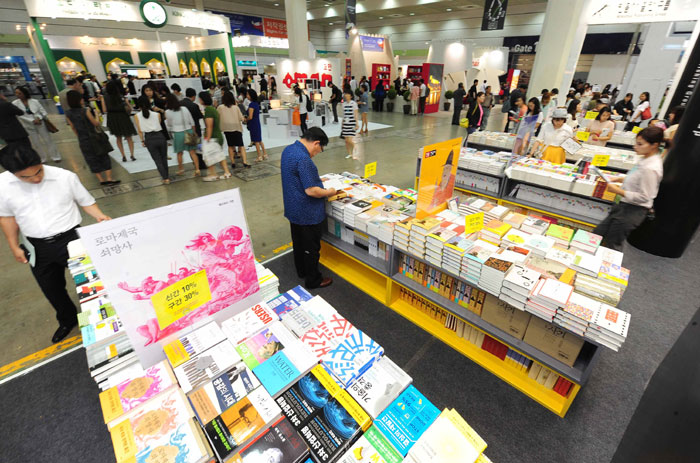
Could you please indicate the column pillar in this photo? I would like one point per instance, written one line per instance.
(199, 5)
(297, 29)
(556, 50)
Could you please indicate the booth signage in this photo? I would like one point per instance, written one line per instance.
(241, 62)
(275, 28)
(642, 11)
(494, 15)
(323, 70)
(242, 24)
(372, 43)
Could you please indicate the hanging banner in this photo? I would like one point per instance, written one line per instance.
(275, 28)
(350, 16)
(372, 43)
(436, 181)
(242, 24)
(162, 283)
(494, 15)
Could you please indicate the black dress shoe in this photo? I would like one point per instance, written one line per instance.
(61, 333)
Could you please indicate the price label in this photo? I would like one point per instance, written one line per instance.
(600, 160)
(636, 129)
(583, 136)
(370, 169)
(591, 114)
(473, 223)
(181, 298)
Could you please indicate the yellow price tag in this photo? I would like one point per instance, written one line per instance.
(473, 223)
(636, 129)
(583, 136)
(591, 114)
(181, 298)
(600, 160)
(370, 169)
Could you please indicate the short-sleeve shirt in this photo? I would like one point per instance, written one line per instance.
(47, 208)
(211, 111)
(299, 173)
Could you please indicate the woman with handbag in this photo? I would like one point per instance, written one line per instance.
(118, 111)
(253, 122)
(93, 142)
(641, 113)
(231, 119)
(35, 121)
(151, 134)
(181, 126)
(212, 150)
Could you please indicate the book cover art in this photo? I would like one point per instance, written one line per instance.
(559, 232)
(222, 392)
(548, 268)
(101, 331)
(352, 356)
(95, 310)
(85, 277)
(245, 324)
(90, 290)
(279, 444)
(278, 373)
(194, 343)
(587, 238)
(289, 300)
(241, 421)
(371, 447)
(613, 320)
(614, 274)
(309, 315)
(448, 440)
(132, 392)
(184, 445)
(326, 335)
(377, 387)
(406, 419)
(206, 366)
(497, 227)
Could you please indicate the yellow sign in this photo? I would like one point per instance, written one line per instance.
(438, 170)
(181, 298)
(636, 129)
(600, 160)
(591, 114)
(370, 169)
(473, 223)
(583, 136)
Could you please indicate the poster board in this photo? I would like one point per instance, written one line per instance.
(438, 169)
(526, 129)
(150, 260)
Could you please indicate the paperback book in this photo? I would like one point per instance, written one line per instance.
(245, 324)
(377, 387)
(206, 366)
(194, 343)
(279, 444)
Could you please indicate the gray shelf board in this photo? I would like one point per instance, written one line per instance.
(360, 254)
(578, 195)
(477, 190)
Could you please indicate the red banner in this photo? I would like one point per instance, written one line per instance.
(275, 28)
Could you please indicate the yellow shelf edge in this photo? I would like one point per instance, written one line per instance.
(352, 274)
(548, 213)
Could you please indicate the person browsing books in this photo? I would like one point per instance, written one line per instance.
(304, 203)
(552, 135)
(42, 203)
(638, 190)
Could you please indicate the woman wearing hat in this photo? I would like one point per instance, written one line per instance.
(552, 135)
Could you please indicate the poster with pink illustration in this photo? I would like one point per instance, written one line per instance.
(141, 255)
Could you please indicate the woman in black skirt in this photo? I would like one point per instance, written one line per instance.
(83, 122)
(118, 112)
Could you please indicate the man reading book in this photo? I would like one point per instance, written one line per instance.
(304, 204)
(42, 202)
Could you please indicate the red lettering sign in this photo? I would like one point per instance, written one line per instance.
(275, 28)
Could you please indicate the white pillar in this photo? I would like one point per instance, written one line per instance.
(557, 45)
(297, 29)
(199, 5)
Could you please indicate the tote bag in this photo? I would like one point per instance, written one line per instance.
(212, 152)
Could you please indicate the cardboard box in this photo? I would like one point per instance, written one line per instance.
(553, 340)
(505, 317)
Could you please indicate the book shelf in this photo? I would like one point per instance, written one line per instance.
(352, 264)
(381, 73)
(414, 74)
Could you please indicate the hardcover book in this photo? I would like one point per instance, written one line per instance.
(351, 357)
(309, 315)
(289, 300)
(206, 366)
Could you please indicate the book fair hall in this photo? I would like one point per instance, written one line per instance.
(349, 231)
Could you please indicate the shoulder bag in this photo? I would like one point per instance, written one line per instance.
(191, 138)
(99, 139)
(50, 126)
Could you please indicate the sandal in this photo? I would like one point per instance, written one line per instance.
(246, 165)
(132, 158)
(258, 159)
(166, 181)
(265, 157)
(210, 178)
(197, 173)
(180, 172)
(225, 176)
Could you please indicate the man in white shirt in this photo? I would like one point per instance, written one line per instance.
(42, 202)
(422, 97)
(353, 84)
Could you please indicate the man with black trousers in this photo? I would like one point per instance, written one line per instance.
(189, 103)
(422, 96)
(472, 91)
(42, 202)
(11, 129)
(336, 97)
(458, 96)
(305, 204)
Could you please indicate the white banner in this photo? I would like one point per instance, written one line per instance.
(643, 11)
(173, 267)
(123, 11)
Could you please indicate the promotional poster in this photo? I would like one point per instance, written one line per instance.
(438, 169)
(169, 268)
(526, 129)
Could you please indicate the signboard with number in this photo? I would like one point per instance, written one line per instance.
(181, 298)
(162, 284)
(473, 223)
(601, 160)
(370, 169)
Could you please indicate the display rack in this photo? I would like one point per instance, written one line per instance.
(384, 283)
(414, 74)
(381, 73)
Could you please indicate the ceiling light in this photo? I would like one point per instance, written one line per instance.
(330, 24)
(277, 4)
(449, 9)
(43, 24)
(326, 4)
(427, 43)
(411, 14)
(381, 17)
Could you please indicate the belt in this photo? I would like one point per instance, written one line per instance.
(54, 238)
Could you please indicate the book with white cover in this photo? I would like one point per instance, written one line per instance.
(614, 321)
(556, 291)
(245, 324)
(308, 315)
(587, 263)
(377, 387)
(520, 276)
(583, 308)
(609, 255)
(194, 343)
(206, 366)
(539, 244)
(448, 440)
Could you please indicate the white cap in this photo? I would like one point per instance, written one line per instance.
(559, 113)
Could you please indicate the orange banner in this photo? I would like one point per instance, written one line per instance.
(275, 28)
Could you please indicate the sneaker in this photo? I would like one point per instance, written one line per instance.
(348, 156)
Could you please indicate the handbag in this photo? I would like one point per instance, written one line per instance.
(212, 152)
(49, 126)
(646, 114)
(191, 138)
(464, 122)
(99, 139)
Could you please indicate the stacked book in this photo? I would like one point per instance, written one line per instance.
(515, 219)
(493, 211)
(535, 225)
(614, 274)
(515, 237)
(473, 205)
(350, 211)
(436, 240)
(561, 235)
(518, 284)
(337, 207)
(587, 264)
(609, 327)
(586, 241)
(578, 313)
(453, 252)
(547, 297)
(402, 231)
(539, 244)
(420, 229)
(474, 260)
(493, 272)
(268, 281)
(493, 231)
(597, 289)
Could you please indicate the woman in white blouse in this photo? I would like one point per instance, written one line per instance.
(552, 135)
(601, 129)
(152, 137)
(33, 123)
(180, 123)
(639, 115)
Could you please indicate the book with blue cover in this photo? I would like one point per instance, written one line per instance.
(351, 357)
(280, 371)
(289, 300)
(406, 419)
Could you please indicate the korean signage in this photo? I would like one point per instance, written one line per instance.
(242, 24)
(324, 70)
(642, 11)
(275, 28)
(372, 43)
(494, 15)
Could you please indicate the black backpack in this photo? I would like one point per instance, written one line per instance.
(309, 107)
